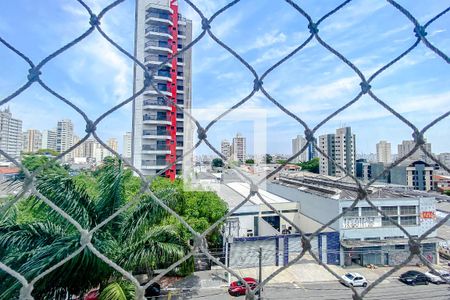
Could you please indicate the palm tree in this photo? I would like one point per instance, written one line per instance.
(139, 239)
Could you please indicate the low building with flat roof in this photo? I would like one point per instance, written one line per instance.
(365, 235)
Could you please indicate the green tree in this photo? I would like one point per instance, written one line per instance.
(140, 239)
(217, 163)
(311, 166)
(250, 161)
(447, 192)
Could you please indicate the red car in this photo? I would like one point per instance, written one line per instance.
(238, 288)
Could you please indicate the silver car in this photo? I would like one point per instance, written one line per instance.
(433, 276)
(353, 279)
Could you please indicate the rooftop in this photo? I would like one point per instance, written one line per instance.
(343, 188)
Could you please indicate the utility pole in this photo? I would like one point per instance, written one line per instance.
(226, 238)
(260, 272)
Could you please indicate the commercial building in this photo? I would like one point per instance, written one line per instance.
(32, 141)
(126, 151)
(64, 137)
(239, 148)
(297, 144)
(340, 148)
(255, 225)
(225, 148)
(365, 236)
(419, 175)
(384, 152)
(160, 130)
(10, 134)
(49, 139)
(406, 146)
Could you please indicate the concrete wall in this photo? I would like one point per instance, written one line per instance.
(281, 249)
(318, 208)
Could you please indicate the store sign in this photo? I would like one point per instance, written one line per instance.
(428, 215)
(361, 222)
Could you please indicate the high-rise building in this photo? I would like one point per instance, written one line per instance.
(114, 145)
(225, 148)
(10, 134)
(64, 137)
(32, 141)
(78, 151)
(239, 150)
(406, 146)
(339, 147)
(160, 131)
(297, 144)
(49, 139)
(445, 159)
(384, 152)
(126, 152)
(419, 175)
(89, 147)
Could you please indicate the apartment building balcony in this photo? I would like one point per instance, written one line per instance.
(155, 149)
(162, 88)
(158, 17)
(154, 59)
(153, 164)
(156, 104)
(152, 119)
(181, 34)
(158, 46)
(155, 134)
(163, 75)
(159, 31)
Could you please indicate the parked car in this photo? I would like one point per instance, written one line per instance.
(92, 295)
(435, 278)
(414, 277)
(238, 288)
(353, 279)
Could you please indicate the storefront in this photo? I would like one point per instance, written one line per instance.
(385, 252)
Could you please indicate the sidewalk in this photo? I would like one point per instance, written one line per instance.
(306, 271)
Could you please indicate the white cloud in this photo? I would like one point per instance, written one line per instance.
(266, 40)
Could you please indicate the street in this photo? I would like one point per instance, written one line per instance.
(391, 289)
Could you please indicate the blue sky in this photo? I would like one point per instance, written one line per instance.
(312, 84)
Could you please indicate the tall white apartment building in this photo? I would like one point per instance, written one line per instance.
(239, 149)
(49, 139)
(32, 141)
(64, 137)
(225, 148)
(384, 152)
(297, 144)
(445, 159)
(126, 151)
(10, 134)
(339, 147)
(406, 146)
(160, 130)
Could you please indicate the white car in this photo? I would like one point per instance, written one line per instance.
(434, 276)
(353, 279)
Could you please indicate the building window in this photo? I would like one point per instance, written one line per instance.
(390, 210)
(354, 212)
(408, 210)
(368, 212)
(385, 222)
(399, 247)
(411, 220)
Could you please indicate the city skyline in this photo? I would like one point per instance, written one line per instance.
(83, 74)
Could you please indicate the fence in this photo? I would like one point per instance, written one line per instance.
(34, 77)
